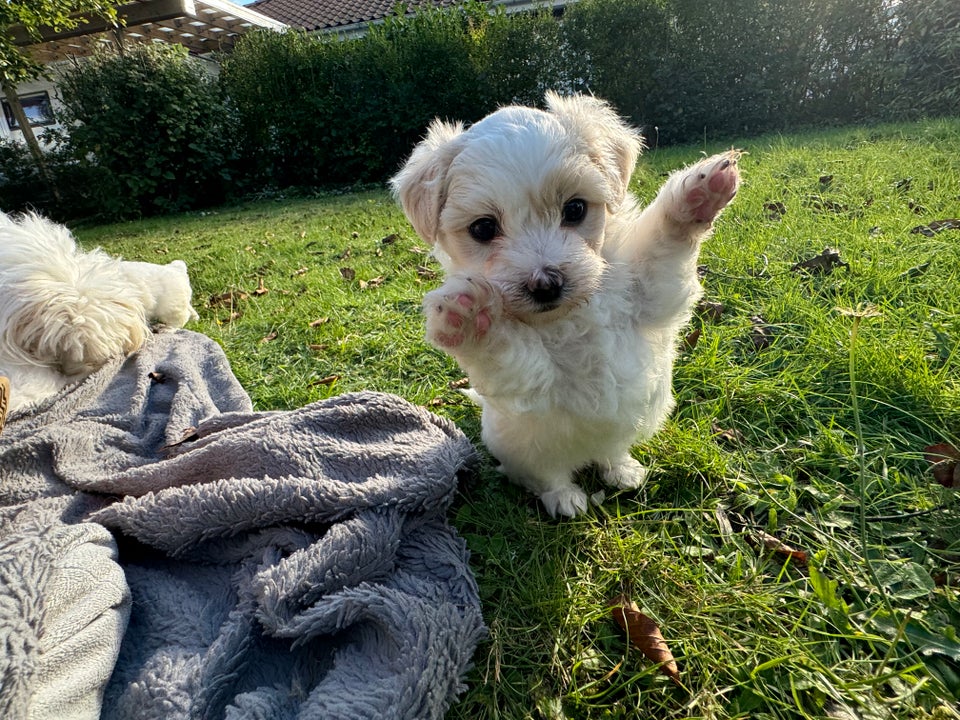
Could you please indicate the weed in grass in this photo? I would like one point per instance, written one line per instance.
(811, 436)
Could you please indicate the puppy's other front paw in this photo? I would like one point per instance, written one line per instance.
(568, 501)
(461, 311)
(698, 193)
(626, 474)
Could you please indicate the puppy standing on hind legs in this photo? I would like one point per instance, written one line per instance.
(563, 300)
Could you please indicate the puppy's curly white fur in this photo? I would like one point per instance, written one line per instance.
(65, 312)
(562, 299)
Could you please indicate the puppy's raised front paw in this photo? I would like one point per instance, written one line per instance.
(459, 312)
(568, 501)
(698, 193)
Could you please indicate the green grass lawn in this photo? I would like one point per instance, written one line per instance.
(804, 409)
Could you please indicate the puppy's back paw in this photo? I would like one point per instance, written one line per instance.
(567, 501)
(698, 193)
(460, 311)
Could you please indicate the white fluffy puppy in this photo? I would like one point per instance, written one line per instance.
(562, 299)
(65, 312)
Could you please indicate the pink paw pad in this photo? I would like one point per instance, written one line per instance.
(455, 317)
(711, 186)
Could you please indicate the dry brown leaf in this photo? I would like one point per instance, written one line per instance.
(691, 340)
(228, 298)
(300, 271)
(328, 380)
(261, 288)
(775, 209)
(761, 335)
(731, 435)
(436, 402)
(711, 311)
(190, 434)
(936, 226)
(348, 273)
(320, 321)
(268, 337)
(822, 264)
(371, 283)
(426, 273)
(773, 543)
(944, 462)
(389, 239)
(461, 383)
(643, 634)
(318, 348)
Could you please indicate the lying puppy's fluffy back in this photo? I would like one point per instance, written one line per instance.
(64, 312)
(562, 300)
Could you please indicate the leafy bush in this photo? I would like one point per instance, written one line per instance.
(929, 57)
(321, 110)
(153, 122)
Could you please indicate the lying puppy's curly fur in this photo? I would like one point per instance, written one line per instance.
(65, 312)
(563, 300)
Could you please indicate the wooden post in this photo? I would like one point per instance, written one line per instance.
(10, 92)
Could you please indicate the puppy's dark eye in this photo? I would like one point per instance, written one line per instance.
(484, 229)
(574, 211)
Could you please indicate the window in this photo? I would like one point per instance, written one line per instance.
(37, 108)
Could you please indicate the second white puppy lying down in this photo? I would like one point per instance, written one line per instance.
(563, 300)
(64, 312)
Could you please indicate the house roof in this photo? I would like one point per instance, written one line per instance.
(313, 15)
(202, 26)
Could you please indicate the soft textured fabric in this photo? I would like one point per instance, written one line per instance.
(167, 552)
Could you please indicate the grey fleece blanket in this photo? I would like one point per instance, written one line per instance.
(166, 552)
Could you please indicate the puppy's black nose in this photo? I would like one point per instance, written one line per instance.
(546, 285)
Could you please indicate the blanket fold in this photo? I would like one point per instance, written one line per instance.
(267, 564)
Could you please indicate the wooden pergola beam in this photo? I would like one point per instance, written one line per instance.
(130, 15)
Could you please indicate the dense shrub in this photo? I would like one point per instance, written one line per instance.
(152, 121)
(929, 58)
(320, 110)
(151, 131)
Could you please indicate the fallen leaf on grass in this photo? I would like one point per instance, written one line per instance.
(300, 271)
(371, 283)
(761, 335)
(348, 273)
(932, 228)
(822, 264)
(268, 337)
(770, 542)
(731, 435)
(261, 288)
(775, 209)
(319, 321)
(228, 298)
(711, 311)
(389, 239)
(426, 273)
(691, 340)
(328, 380)
(944, 462)
(643, 634)
(824, 205)
(915, 271)
(318, 348)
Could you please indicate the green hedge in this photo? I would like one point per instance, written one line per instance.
(149, 131)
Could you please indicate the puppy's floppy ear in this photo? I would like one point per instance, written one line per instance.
(612, 144)
(421, 184)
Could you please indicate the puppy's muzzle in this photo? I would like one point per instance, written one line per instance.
(545, 287)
